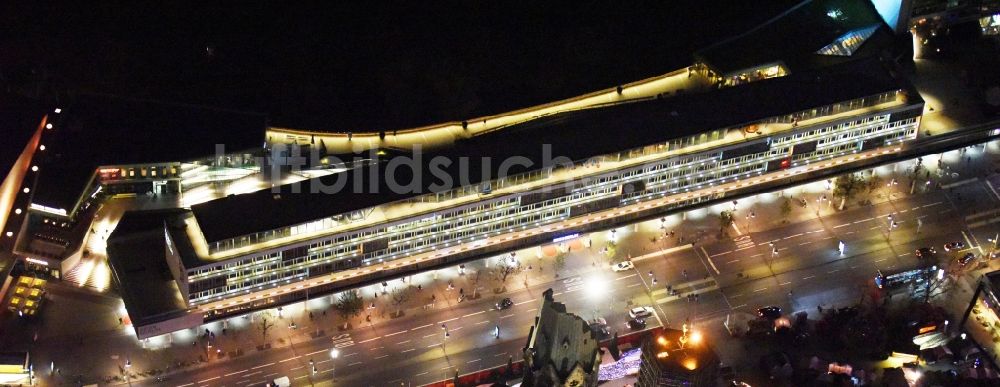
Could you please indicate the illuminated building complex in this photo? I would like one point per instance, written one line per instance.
(573, 166)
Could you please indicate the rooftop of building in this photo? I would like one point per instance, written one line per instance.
(680, 352)
(147, 287)
(577, 135)
(794, 36)
(96, 130)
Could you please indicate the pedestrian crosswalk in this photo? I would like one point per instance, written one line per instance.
(91, 273)
(662, 296)
(744, 242)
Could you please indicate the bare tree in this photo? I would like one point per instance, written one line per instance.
(786, 209)
(348, 305)
(502, 271)
(399, 297)
(874, 184)
(265, 321)
(845, 187)
(475, 284)
(726, 220)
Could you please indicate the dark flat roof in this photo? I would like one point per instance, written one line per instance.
(102, 130)
(136, 254)
(793, 36)
(577, 135)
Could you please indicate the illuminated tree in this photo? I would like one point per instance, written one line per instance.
(348, 305)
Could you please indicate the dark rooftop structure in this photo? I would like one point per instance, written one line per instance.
(577, 135)
(136, 254)
(794, 37)
(101, 130)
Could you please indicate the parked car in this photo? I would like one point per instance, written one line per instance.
(623, 266)
(505, 303)
(966, 259)
(956, 245)
(925, 253)
(769, 312)
(636, 324)
(641, 312)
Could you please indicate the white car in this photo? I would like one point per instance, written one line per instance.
(640, 312)
(623, 266)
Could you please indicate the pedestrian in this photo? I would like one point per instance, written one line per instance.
(819, 308)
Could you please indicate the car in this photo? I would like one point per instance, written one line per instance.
(925, 252)
(505, 303)
(623, 266)
(769, 312)
(968, 257)
(636, 324)
(640, 312)
(956, 245)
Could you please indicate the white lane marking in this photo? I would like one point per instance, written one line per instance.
(619, 278)
(365, 341)
(531, 300)
(355, 363)
(834, 271)
(842, 225)
(633, 285)
(422, 373)
(880, 260)
(451, 319)
(805, 278)
(716, 255)
(482, 322)
(422, 326)
(473, 314)
(393, 334)
(432, 334)
(313, 353)
(804, 243)
(785, 283)
(209, 379)
(234, 373)
(736, 295)
(472, 361)
(759, 290)
(381, 357)
(262, 366)
(735, 260)
(403, 342)
(408, 350)
(289, 359)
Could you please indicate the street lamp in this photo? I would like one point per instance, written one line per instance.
(334, 354)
